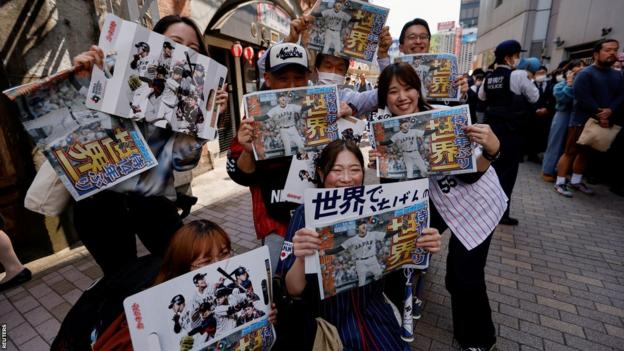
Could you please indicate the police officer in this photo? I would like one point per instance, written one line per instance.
(508, 95)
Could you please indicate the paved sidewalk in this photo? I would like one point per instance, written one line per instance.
(556, 282)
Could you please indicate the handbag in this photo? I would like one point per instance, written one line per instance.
(47, 195)
(597, 137)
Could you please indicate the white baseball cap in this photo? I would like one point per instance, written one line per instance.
(284, 54)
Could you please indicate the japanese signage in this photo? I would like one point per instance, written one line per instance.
(89, 150)
(422, 144)
(366, 232)
(147, 76)
(223, 306)
(347, 28)
(287, 120)
(437, 72)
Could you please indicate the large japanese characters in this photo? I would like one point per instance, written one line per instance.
(437, 72)
(290, 121)
(223, 306)
(423, 144)
(147, 76)
(347, 28)
(366, 232)
(89, 150)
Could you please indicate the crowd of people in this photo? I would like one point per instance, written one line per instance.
(518, 109)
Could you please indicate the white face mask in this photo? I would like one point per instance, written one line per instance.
(516, 61)
(540, 79)
(325, 78)
(617, 68)
(559, 77)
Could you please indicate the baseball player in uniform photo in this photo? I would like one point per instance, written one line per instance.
(363, 247)
(284, 116)
(406, 142)
(335, 19)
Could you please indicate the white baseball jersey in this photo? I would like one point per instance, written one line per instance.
(363, 247)
(169, 95)
(335, 20)
(143, 64)
(284, 117)
(407, 142)
(225, 322)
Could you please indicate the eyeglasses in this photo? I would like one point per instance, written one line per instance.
(225, 253)
(422, 37)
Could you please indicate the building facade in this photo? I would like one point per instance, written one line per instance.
(552, 30)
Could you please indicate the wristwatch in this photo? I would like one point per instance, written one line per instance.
(489, 157)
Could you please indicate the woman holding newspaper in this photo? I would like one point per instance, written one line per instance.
(362, 317)
(470, 205)
(108, 221)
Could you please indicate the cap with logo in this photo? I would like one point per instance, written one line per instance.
(142, 45)
(507, 48)
(285, 54)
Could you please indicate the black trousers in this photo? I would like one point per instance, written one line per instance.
(465, 281)
(108, 221)
(507, 165)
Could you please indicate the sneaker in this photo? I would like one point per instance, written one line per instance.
(582, 188)
(417, 306)
(548, 178)
(562, 189)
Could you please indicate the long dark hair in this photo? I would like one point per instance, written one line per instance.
(406, 75)
(328, 156)
(165, 22)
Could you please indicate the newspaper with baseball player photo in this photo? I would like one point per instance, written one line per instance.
(222, 306)
(366, 232)
(347, 28)
(90, 151)
(302, 172)
(291, 121)
(437, 72)
(301, 176)
(423, 144)
(149, 77)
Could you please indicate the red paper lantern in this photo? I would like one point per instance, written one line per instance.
(248, 54)
(237, 49)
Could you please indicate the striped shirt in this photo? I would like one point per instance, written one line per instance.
(471, 210)
(363, 318)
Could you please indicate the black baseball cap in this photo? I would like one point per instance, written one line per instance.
(197, 277)
(178, 299)
(507, 48)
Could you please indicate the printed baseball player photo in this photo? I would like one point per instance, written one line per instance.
(357, 252)
(292, 121)
(409, 145)
(423, 144)
(90, 150)
(347, 28)
(437, 73)
(301, 176)
(207, 308)
(156, 80)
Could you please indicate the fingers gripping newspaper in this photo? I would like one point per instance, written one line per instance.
(223, 306)
(366, 232)
(147, 76)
